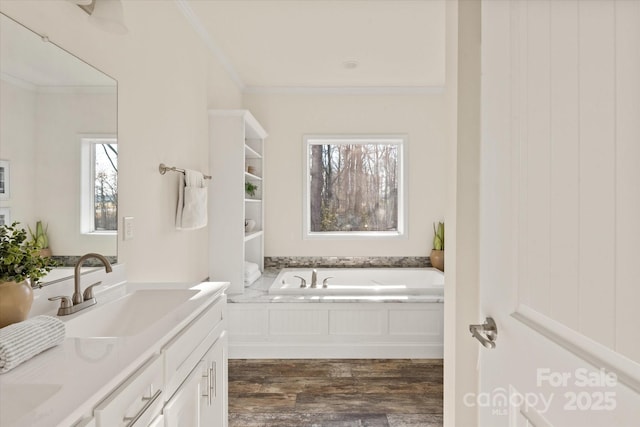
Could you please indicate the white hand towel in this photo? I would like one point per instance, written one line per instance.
(192, 201)
(21, 341)
(249, 279)
(250, 268)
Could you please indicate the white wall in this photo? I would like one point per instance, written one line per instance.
(461, 250)
(167, 80)
(17, 144)
(287, 117)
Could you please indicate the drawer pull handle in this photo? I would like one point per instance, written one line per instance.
(208, 387)
(148, 402)
(211, 383)
(214, 375)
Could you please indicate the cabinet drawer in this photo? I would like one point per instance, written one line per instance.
(136, 401)
(180, 355)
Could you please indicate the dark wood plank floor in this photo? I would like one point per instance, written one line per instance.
(335, 393)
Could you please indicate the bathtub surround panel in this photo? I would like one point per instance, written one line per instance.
(290, 330)
(280, 262)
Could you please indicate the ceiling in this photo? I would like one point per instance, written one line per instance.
(29, 61)
(325, 44)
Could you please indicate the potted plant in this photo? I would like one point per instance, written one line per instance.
(41, 239)
(437, 253)
(21, 266)
(250, 188)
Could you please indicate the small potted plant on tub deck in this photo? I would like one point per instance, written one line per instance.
(20, 267)
(437, 253)
(41, 239)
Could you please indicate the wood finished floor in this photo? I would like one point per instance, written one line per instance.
(335, 393)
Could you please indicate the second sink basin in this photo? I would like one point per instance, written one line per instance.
(128, 315)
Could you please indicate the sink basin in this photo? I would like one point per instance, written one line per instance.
(24, 399)
(129, 315)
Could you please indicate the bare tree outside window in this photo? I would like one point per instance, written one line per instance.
(354, 185)
(105, 199)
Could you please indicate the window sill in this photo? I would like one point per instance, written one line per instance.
(355, 235)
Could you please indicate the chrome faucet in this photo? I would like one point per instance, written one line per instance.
(314, 278)
(80, 300)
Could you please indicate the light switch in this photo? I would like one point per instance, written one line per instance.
(128, 227)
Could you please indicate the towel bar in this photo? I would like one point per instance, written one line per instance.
(164, 168)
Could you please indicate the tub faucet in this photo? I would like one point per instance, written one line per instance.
(314, 278)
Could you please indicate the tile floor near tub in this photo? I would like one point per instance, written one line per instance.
(335, 393)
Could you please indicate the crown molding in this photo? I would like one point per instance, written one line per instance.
(15, 81)
(344, 90)
(186, 10)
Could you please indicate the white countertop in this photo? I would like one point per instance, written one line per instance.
(63, 384)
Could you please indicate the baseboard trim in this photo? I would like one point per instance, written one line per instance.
(334, 351)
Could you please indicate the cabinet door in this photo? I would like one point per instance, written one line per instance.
(213, 406)
(157, 421)
(183, 409)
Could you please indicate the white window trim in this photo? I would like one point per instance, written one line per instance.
(403, 188)
(87, 183)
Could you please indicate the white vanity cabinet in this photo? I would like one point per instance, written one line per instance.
(195, 372)
(183, 385)
(201, 400)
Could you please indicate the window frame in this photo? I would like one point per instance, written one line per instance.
(88, 143)
(402, 140)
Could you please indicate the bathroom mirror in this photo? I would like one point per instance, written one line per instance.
(58, 145)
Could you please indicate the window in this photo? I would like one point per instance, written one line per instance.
(354, 186)
(99, 185)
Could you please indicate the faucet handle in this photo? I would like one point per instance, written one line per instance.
(64, 303)
(303, 282)
(88, 293)
(325, 282)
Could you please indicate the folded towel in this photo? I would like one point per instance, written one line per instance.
(192, 201)
(250, 268)
(249, 279)
(21, 341)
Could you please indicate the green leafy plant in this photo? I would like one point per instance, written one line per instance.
(250, 188)
(40, 236)
(20, 258)
(438, 236)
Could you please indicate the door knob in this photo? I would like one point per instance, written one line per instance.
(486, 333)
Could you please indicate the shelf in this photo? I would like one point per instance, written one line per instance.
(252, 176)
(252, 235)
(250, 153)
(253, 200)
